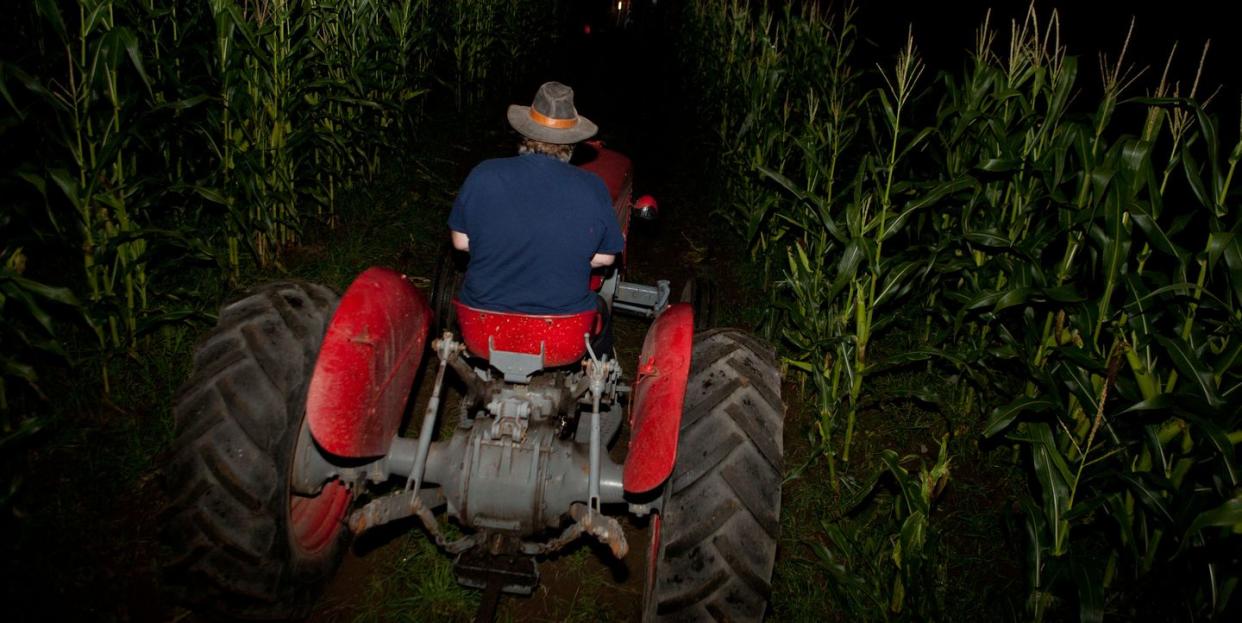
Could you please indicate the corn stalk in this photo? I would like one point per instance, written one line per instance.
(1039, 254)
(101, 57)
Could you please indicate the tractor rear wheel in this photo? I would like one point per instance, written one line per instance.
(713, 544)
(450, 274)
(243, 544)
(700, 293)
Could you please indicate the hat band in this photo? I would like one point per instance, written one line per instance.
(549, 122)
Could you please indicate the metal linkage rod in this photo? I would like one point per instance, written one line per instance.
(593, 489)
(445, 347)
(597, 372)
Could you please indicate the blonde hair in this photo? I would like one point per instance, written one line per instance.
(532, 146)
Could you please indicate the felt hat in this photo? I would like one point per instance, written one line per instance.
(552, 118)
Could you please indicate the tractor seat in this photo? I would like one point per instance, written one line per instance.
(559, 338)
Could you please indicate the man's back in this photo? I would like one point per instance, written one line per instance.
(534, 224)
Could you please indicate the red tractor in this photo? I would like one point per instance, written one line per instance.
(288, 443)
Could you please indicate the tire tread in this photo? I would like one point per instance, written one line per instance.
(225, 529)
(720, 519)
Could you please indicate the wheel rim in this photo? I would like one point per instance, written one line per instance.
(316, 521)
(653, 563)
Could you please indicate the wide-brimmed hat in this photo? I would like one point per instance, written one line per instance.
(552, 118)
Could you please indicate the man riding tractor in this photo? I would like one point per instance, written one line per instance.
(535, 225)
(289, 430)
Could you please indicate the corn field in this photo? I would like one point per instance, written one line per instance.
(1070, 271)
(157, 149)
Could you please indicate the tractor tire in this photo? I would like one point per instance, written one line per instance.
(713, 543)
(450, 273)
(242, 545)
(700, 293)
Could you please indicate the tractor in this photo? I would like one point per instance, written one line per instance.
(288, 441)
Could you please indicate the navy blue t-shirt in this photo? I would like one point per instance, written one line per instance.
(534, 223)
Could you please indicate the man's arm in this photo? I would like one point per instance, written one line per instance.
(458, 223)
(461, 242)
(611, 242)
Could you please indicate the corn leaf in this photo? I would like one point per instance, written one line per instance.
(1090, 583)
(14, 368)
(1050, 472)
(61, 295)
(126, 38)
(1149, 496)
(1160, 402)
(1219, 442)
(51, 13)
(1141, 215)
(1227, 515)
(1002, 417)
(1191, 367)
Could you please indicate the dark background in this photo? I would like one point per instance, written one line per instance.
(625, 78)
(630, 74)
(945, 30)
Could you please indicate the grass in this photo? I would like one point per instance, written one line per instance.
(580, 591)
(415, 583)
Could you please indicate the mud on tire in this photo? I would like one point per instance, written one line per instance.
(239, 544)
(714, 544)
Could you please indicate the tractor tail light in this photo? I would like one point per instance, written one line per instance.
(646, 207)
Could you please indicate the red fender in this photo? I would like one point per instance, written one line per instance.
(367, 363)
(659, 392)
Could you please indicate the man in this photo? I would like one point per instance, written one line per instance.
(534, 224)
